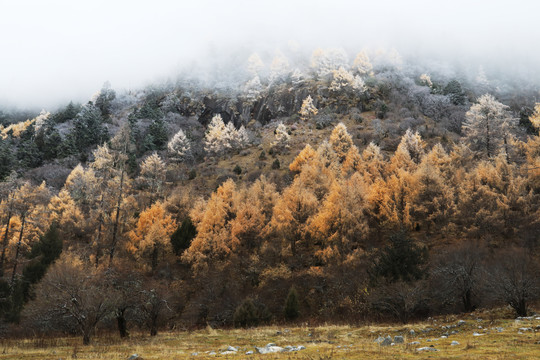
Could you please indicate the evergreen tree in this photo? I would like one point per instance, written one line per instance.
(181, 238)
(6, 159)
(159, 134)
(291, 305)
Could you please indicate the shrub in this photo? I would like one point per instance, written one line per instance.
(250, 313)
(276, 164)
(192, 174)
(237, 170)
(291, 305)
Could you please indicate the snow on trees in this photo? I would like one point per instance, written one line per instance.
(253, 89)
(222, 138)
(344, 80)
(179, 147)
(282, 137)
(487, 125)
(362, 64)
(308, 110)
(279, 69)
(325, 61)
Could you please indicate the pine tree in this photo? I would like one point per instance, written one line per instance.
(341, 141)
(487, 125)
(282, 137)
(308, 110)
(179, 147)
(292, 307)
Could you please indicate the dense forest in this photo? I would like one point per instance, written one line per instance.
(328, 191)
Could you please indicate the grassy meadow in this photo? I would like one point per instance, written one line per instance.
(484, 335)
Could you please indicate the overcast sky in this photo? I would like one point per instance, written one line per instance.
(52, 51)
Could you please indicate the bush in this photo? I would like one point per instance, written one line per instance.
(291, 305)
(276, 164)
(262, 156)
(237, 170)
(250, 313)
(192, 174)
(400, 259)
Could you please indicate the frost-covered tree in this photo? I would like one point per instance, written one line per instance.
(308, 110)
(325, 61)
(298, 77)
(487, 125)
(40, 120)
(242, 138)
(362, 64)
(253, 89)
(179, 147)
(255, 64)
(282, 137)
(222, 138)
(343, 80)
(217, 139)
(279, 69)
(425, 80)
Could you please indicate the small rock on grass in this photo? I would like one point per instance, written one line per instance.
(426, 349)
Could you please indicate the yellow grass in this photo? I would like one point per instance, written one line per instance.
(324, 342)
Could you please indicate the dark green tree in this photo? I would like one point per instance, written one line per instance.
(6, 159)
(400, 259)
(181, 238)
(291, 305)
(455, 92)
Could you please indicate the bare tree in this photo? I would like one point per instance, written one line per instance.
(513, 279)
(72, 295)
(457, 276)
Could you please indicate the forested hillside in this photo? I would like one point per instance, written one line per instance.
(335, 188)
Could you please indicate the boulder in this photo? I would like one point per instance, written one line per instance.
(399, 339)
(426, 349)
(387, 341)
(135, 357)
(268, 349)
(454, 343)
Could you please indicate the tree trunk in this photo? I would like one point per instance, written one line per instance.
(122, 323)
(153, 326)
(155, 257)
(117, 219)
(86, 339)
(23, 221)
(5, 244)
(100, 225)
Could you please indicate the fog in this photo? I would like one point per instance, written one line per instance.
(60, 50)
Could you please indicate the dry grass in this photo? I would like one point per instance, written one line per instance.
(324, 342)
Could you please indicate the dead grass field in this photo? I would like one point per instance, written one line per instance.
(500, 338)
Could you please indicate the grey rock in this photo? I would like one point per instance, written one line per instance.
(379, 340)
(231, 348)
(454, 343)
(387, 341)
(399, 339)
(194, 354)
(525, 329)
(414, 343)
(250, 352)
(461, 322)
(411, 332)
(269, 348)
(426, 349)
(135, 357)
(212, 353)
